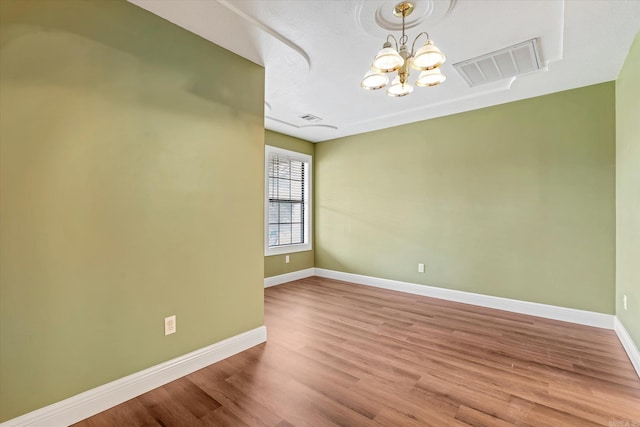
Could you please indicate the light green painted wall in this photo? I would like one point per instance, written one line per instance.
(515, 201)
(275, 265)
(287, 142)
(628, 192)
(121, 134)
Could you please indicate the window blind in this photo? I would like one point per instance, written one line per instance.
(286, 178)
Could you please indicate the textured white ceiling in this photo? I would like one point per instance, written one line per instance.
(316, 51)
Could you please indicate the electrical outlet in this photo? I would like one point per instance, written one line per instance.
(170, 325)
(624, 302)
(421, 268)
(286, 259)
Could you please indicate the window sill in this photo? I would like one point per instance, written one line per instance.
(282, 250)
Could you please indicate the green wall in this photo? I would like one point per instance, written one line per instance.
(275, 265)
(515, 201)
(628, 192)
(120, 138)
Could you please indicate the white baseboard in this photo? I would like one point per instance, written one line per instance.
(288, 277)
(96, 400)
(628, 344)
(583, 317)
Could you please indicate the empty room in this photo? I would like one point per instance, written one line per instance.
(319, 213)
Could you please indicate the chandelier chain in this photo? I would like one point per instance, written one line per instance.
(404, 39)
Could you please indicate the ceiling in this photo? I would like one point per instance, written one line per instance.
(315, 52)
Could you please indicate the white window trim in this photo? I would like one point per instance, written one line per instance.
(300, 247)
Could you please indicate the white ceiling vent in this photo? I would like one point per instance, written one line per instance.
(310, 118)
(516, 60)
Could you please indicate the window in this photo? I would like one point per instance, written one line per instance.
(287, 201)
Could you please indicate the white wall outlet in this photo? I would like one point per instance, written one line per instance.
(170, 325)
(624, 302)
(421, 268)
(286, 259)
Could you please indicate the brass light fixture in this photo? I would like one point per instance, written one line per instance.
(427, 59)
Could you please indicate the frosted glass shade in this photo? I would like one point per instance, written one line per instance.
(374, 79)
(399, 89)
(428, 57)
(430, 78)
(387, 60)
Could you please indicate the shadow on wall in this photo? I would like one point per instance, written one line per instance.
(170, 60)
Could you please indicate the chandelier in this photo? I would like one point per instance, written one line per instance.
(427, 59)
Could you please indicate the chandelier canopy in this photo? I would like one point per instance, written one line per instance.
(427, 59)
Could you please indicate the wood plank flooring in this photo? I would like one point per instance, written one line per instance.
(351, 355)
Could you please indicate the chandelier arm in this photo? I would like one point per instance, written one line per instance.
(394, 40)
(413, 46)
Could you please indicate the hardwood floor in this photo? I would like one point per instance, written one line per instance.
(351, 355)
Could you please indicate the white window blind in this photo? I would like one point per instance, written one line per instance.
(287, 201)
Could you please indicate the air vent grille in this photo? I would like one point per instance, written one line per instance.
(310, 118)
(516, 60)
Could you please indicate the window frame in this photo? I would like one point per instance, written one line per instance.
(307, 202)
